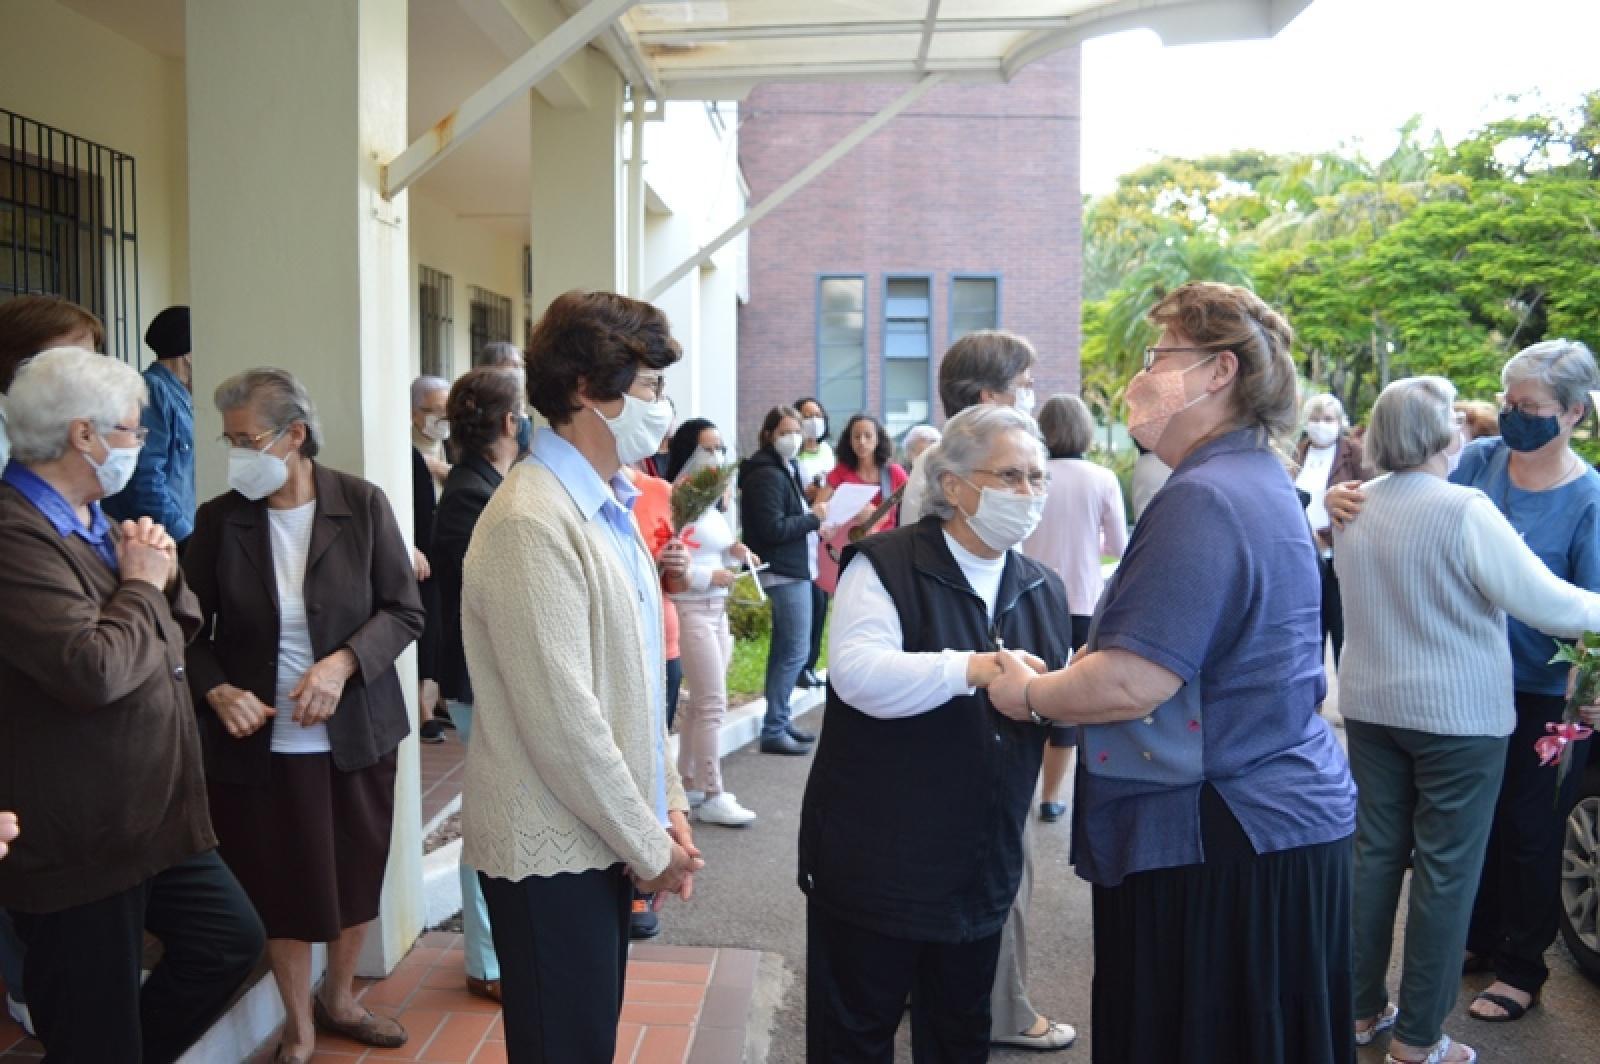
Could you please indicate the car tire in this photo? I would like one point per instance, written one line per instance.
(1580, 877)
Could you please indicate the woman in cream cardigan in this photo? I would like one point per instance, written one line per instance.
(570, 800)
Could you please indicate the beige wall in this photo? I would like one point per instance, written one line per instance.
(472, 253)
(66, 71)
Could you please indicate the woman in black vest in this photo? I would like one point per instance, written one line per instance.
(911, 830)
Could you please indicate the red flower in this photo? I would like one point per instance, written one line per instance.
(1551, 747)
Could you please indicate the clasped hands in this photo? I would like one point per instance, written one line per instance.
(678, 877)
(1006, 675)
(148, 554)
(315, 697)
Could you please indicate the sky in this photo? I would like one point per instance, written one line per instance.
(1345, 72)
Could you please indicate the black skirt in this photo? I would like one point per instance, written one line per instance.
(1245, 959)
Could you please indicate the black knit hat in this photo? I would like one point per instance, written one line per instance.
(168, 335)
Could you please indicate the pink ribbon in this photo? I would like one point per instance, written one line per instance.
(1550, 747)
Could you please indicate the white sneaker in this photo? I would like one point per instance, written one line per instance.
(19, 1012)
(725, 809)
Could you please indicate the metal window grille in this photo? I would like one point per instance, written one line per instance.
(436, 306)
(69, 225)
(491, 317)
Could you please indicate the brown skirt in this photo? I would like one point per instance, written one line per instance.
(311, 846)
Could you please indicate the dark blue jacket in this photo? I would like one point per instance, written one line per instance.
(162, 487)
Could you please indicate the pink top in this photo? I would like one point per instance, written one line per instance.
(1083, 520)
(839, 474)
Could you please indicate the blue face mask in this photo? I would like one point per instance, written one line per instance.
(524, 434)
(1525, 432)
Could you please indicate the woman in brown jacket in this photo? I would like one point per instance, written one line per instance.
(1328, 454)
(308, 597)
(101, 756)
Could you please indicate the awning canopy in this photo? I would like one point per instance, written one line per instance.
(720, 49)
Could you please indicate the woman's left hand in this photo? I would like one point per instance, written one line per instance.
(680, 832)
(1006, 692)
(317, 694)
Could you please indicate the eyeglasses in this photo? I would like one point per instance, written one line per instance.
(656, 382)
(248, 442)
(140, 433)
(1151, 354)
(1016, 479)
(1528, 408)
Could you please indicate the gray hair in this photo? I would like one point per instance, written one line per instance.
(919, 434)
(499, 353)
(60, 386)
(965, 446)
(1566, 367)
(279, 400)
(1319, 403)
(1413, 420)
(425, 386)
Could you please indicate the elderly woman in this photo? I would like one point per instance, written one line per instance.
(308, 596)
(1552, 498)
(571, 800)
(1214, 810)
(781, 527)
(1427, 702)
(916, 440)
(911, 844)
(1084, 521)
(1326, 454)
(102, 758)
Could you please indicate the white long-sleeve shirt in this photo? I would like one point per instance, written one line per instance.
(868, 665)
(1427, 574)
(714, 539)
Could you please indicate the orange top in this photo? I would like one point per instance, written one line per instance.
(653, 513)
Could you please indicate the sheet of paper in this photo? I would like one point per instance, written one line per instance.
(849, 501)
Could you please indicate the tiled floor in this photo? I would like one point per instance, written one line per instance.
(442, 767)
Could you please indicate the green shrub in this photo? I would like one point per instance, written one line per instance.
(748, 618)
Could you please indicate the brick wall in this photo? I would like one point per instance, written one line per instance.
(976, 179)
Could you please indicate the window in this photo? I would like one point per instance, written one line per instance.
(491, 318)
(68, 226)
(436, 307)
(974, 305)
(842, 346)
(907, 354)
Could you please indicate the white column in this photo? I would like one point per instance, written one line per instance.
(578, 228)
(297, 261)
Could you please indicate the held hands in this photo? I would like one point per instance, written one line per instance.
(1008, 691)
(1344, 502)
(678, 877)
(674, 560)
(241, 712)
(147, 553)
(317, 694)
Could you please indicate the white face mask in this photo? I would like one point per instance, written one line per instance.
(436, 428)
(815, 427)
(1322, 433)
(787, 445)
(1023, 400)
(1004, 518)
(256, 474)
(115, 472)
(702, 459)
(639, 428)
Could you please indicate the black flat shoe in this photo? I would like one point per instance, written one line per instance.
(1050, 812)
(809, 678)
(801, 736)
(784, 745)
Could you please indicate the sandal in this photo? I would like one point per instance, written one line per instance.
(1384, 1020)
(1514, 1010)
(1437, 1055)
(1054, 1036)
(380, 1032)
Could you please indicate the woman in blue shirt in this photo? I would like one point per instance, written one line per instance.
(1552, 498)
(1214, 808)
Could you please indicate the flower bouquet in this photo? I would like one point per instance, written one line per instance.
(1583, 689)
(696, 493)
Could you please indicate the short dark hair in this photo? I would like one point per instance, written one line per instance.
(1067, 426)
(600, 339)
(769, 424)
(683, 445)
(27, 323)
(479, 402)
(988, 359)
(845, 454)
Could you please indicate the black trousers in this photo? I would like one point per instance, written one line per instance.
(819, 617)
(83, 964)
(1518, 907)
(857, 982)
(563, 947)
(1332, 609)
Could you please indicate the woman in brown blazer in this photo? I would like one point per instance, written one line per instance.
(1328, 454)
(308, 597)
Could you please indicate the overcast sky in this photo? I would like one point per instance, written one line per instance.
(1344, 72)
